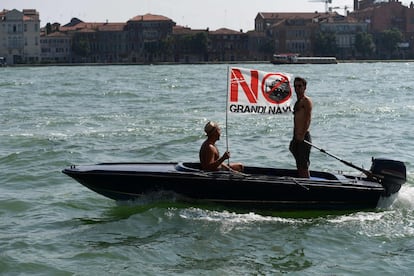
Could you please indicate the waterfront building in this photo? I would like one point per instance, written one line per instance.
(153, 38)
(388, 15)
(228, 45)
(147, 35)
(55, 47)
(138, 40)
(20, 36)
(345, 31)
(292, 32)
(188, 45)
(96, 42)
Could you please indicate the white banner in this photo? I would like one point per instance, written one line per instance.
(257, 92)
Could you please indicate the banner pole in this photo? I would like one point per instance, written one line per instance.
(227, 113)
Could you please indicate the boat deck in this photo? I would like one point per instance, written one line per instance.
(195, 168)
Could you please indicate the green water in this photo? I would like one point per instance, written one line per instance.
(53, 117)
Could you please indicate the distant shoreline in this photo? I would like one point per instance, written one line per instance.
(195, 63)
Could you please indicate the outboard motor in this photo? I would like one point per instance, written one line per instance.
(392, 174)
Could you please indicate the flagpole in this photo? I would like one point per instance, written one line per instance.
(227, 112)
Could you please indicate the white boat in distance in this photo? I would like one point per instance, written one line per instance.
(296, 59)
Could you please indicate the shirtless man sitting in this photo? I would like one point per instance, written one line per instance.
(210, 159)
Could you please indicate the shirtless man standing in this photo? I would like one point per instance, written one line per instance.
(210, 159)
(302, 119)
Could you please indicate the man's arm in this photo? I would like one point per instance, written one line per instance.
(308, 114)
(208, 161)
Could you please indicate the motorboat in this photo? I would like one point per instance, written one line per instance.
(256, 188)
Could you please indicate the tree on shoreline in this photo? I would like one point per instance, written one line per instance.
(325, 44)
(388, 42)
(364, 44)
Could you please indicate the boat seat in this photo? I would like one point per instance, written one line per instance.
(188, 167)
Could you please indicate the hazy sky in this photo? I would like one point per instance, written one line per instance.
(197, 14)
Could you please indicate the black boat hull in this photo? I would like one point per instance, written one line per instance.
(256, 188)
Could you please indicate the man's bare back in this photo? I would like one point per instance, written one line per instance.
(208, 155)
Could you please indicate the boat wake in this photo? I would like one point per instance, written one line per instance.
(228, 216)
(404, 199)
